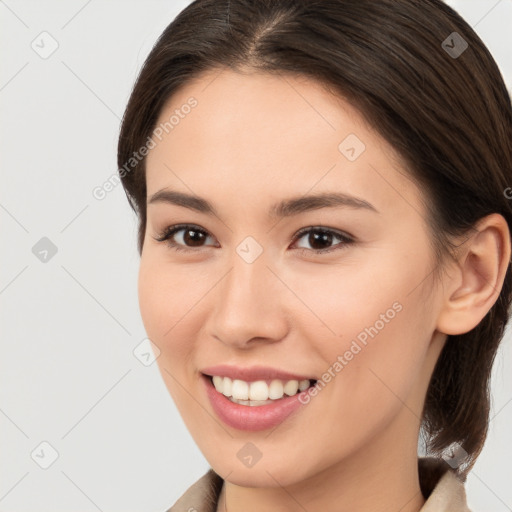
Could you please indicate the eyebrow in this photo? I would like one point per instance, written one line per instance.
(285, 208)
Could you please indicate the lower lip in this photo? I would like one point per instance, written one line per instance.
(245, 417)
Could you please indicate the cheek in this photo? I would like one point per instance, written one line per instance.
(165, 298)
(384, 356)
(153, 302)
(377, 331)
(350, 297)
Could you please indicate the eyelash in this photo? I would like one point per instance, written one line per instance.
(168, 232)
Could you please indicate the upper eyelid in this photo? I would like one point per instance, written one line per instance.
(338, 232)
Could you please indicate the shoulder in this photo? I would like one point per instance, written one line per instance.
(202, 496)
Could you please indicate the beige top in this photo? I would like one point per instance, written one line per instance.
(442, 488)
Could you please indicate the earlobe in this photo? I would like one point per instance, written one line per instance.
(475, 285)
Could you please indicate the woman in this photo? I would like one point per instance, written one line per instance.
(325, 246)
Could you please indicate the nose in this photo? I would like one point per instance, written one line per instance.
(249, 305)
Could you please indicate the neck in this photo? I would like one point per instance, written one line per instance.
(363, 482)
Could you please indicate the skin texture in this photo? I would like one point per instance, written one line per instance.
(253, 140)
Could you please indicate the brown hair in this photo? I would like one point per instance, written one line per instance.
(448, 116)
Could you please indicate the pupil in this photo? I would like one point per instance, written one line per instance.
(195, 240)
(325, 238)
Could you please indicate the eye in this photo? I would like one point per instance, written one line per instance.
(323, 237)
(188, 237)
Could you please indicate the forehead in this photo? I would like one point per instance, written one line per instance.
(256, 136)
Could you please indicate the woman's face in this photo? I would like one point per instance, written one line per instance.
(256, 160)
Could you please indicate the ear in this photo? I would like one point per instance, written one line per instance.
(475, 285)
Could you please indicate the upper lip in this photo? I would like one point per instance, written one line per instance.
(253, 373)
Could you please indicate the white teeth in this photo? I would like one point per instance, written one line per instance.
(240, 389)
(303, 385)
(275, 390)
(258, 392)
(227, 386)
(291, 387)
(217, 382)
(251, 403)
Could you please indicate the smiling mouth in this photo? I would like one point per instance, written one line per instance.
(260, 392)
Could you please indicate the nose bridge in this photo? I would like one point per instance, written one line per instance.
(246, 286)
(249, 301)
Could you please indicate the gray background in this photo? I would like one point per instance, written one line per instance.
(70, 324)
